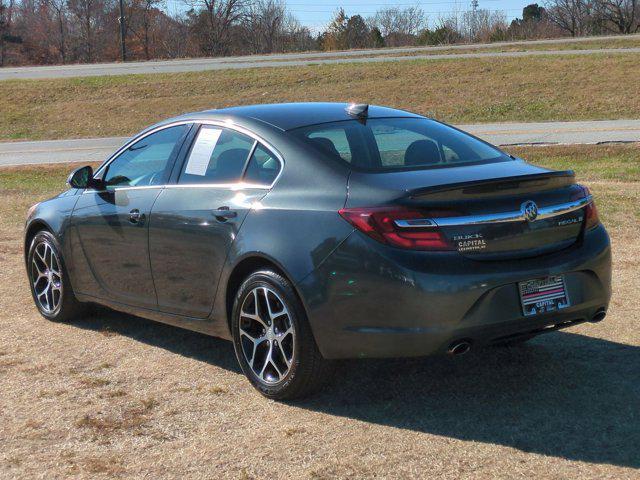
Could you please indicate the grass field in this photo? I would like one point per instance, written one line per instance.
(116, 396)
(597, 86)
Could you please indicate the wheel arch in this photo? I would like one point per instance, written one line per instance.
(32, 229)
(242, 269)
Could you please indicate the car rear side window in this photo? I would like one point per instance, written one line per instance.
(263, 167)
(333, 141)
(382, 144)
(218, 155)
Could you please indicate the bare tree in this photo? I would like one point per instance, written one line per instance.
(87, 14)
(264, 25)
(399, 26)
(59, 10)
(480, 25)
(6, 17)
(450, 26)
(571, 16)
(175, 41)
(621, 16)
(212, 22)
(142, 14)
(4, 30)
(297, 37)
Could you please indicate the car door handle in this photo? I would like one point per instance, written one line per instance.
(135, 216)
(224, 213)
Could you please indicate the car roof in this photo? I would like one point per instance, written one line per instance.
(287, 116)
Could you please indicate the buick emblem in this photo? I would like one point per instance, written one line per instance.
(529, 210)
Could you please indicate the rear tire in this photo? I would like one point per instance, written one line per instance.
(50, 286)
(273, 341)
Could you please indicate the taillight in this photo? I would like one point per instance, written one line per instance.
(591, 218)
(397, 226)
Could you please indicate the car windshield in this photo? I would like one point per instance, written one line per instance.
(383, 144)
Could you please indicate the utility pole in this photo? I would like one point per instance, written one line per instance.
(123, 32)
(474, 18)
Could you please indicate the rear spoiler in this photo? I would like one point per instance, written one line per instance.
(547, 180)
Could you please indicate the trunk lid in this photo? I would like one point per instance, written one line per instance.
(482, 210)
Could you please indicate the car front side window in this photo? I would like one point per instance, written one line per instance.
(145, 162)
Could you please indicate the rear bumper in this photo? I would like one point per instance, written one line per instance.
(369, 300)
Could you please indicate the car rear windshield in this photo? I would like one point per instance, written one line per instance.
(383, 144)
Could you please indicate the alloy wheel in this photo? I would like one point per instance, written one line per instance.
(46, 277)
(267, 335)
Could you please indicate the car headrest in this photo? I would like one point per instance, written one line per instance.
(422, 152)
(326, 146)
(230, 163)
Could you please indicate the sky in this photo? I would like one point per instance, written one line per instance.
(317, 14)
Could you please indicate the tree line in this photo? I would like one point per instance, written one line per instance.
(70, 31)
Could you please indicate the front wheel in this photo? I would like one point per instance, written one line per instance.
(50, 286)
(273, 341)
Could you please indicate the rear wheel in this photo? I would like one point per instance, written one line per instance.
(50, 286)
(272, 339)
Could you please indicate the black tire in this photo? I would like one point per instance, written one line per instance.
(307, 369)
(64, 307)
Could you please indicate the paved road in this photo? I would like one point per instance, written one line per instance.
(97, 149)
(297, 59)
(597, 131)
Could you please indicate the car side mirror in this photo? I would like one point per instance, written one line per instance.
(81, 177)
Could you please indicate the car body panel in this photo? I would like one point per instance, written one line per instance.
(188, 244)
(113, 252)
(369, 300)
(362, 298)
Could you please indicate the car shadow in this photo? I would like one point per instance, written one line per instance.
(188, 343)
(563, 394)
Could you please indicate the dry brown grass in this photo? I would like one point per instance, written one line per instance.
(457, 90)
(622, 42)
(177, 406)
(94, 382)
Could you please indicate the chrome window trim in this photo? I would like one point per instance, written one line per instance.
(117, 189)
(228, 186)
(217, 123)
(503, 217)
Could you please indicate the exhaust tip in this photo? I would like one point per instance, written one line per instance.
(599, 315)
(459, 348)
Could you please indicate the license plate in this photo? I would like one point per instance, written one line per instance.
(543, 295)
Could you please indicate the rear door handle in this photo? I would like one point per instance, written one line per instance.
(224, 213)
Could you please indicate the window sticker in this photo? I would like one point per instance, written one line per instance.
(201, 152)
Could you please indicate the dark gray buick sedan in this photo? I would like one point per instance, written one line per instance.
(318, 231)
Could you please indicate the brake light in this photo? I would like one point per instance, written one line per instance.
(380, 224)
(591, 218)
